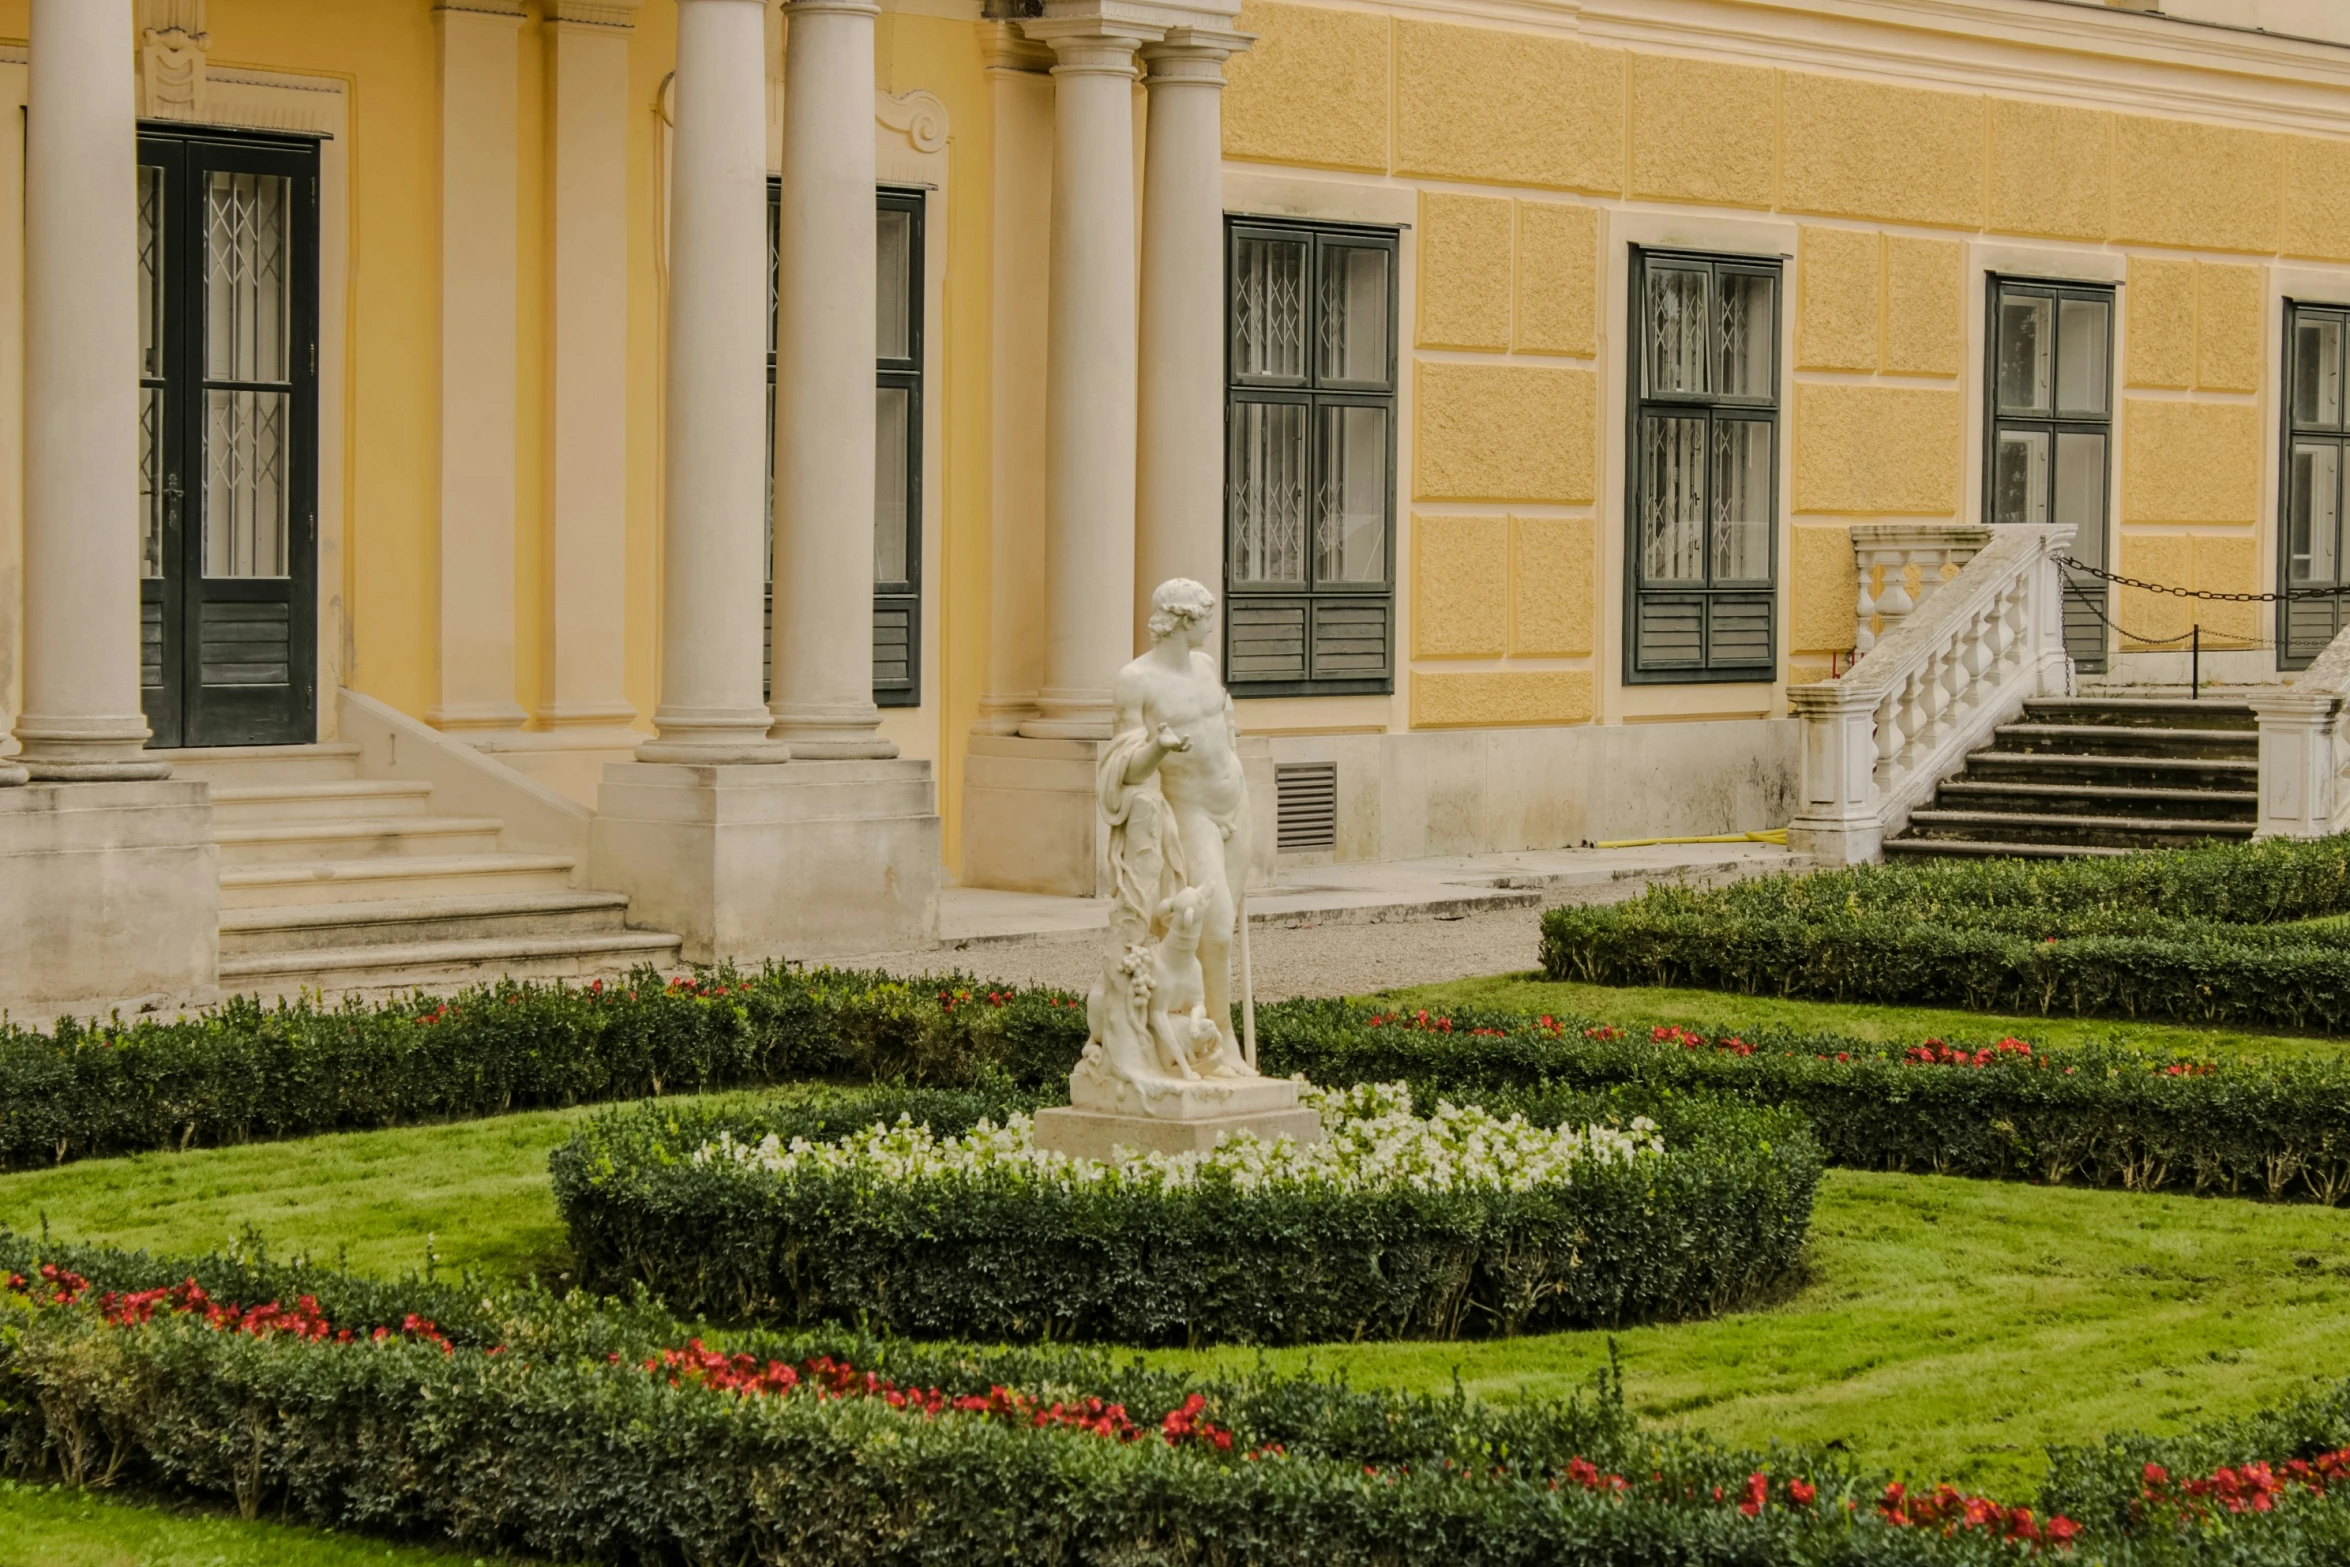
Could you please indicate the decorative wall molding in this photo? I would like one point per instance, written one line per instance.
(172, 45)
(619, 14)
(512, 8)
(920, 116)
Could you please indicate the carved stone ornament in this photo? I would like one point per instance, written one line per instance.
(172, 44)
(1164, 1066)
(919, 116)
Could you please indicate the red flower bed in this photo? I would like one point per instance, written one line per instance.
(2238, 1488)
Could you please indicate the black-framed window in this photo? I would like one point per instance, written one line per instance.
(2316, 440)
(2049, 411)
(1309, 472)
(1702, 513)
(897, 441)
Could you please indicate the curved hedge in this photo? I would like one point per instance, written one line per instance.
(2198, 935)
(1714, 1222)
(593, 1431)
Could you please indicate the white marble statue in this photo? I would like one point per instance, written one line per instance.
(1175, 814)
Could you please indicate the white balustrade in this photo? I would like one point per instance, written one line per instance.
(1956, 662)
(1890, 555)
(2304, 751)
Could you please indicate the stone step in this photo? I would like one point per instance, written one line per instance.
(2126, 740)
(2097, 831)
(1966, 793)
(313, 927)
(1973, 849)
(2121, 772)
(358, 838)
(434, 964)
(391, 877)
(2141, 713)
(257, 764)
(316, 800)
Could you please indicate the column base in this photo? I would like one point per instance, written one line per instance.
(848, 732)
(1030, 821)
(94, 772)
(109, 897)
(1069, 715)
(106, 749)
(746, 863)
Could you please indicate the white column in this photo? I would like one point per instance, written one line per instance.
(1021, 88)
(587, 73)
(81, 717)
(824, 392)
(480, 75)
(1090, 391)
(1179, 502)
(714, 483)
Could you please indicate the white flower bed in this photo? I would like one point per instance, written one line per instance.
(1371, 1141)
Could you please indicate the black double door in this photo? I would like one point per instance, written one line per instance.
(228, 438)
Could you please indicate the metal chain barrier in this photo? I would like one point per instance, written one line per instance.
(2119, 580)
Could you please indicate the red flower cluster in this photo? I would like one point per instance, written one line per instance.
(1418, 1022)
(2242, 1488)
(65, 1288)
(1689, 1039)
(1946, 1509)
(1603, 1032)
(2187, 1069)
(1935, 1053)
(825, 1377)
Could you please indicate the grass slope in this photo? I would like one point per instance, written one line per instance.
(1720, 1012)
(46, 1526)
(1949, 1328)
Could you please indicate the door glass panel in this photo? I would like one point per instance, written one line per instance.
(1351, 545)
(150, 271)
(2080, 491)
(1746, 326)
(2023, 355)
(245, 459)
(150, 481)
(2313, 509)
(1354, 314)
(1269, 308)
(2317, 371)
(2082, 330)
(248, 297)
(1743, 506)
(1269, 493)
(892, 431)
(1676, 330)
(1673, 521)
(894, 294)
(2019, 477)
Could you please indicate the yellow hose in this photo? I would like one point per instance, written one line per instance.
(1777, 835)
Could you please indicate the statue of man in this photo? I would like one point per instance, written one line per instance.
(1177, 810)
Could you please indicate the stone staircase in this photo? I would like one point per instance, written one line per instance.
(332, 881)
(2098, 775)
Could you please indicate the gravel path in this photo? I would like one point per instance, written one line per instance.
(1289, 960)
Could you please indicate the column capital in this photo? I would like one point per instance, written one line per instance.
(1095, 45)
(1002, 47)
(1194, 54)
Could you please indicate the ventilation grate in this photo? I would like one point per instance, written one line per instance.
(1306, 796)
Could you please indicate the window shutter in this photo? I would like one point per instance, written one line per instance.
(1268, 640)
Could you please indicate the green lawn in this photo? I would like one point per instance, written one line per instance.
(1716, 1011)
(44, 1526)
(1948, 1330)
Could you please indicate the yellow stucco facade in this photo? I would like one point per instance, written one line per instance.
(1886, 164)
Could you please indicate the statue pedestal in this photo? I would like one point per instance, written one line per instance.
(1166, 1116)
(1093, 1134)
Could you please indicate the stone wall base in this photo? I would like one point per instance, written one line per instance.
(796, 860)
(109, 897)
(1029, 815)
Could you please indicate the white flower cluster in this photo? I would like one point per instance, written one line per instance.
(1371, 1141)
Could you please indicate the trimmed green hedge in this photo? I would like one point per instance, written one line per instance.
(2197, 935)
(1715, 1222)
(2108, 1117)
(516, 1421)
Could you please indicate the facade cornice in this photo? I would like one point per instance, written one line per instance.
(2095, 56)
(503, 9)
